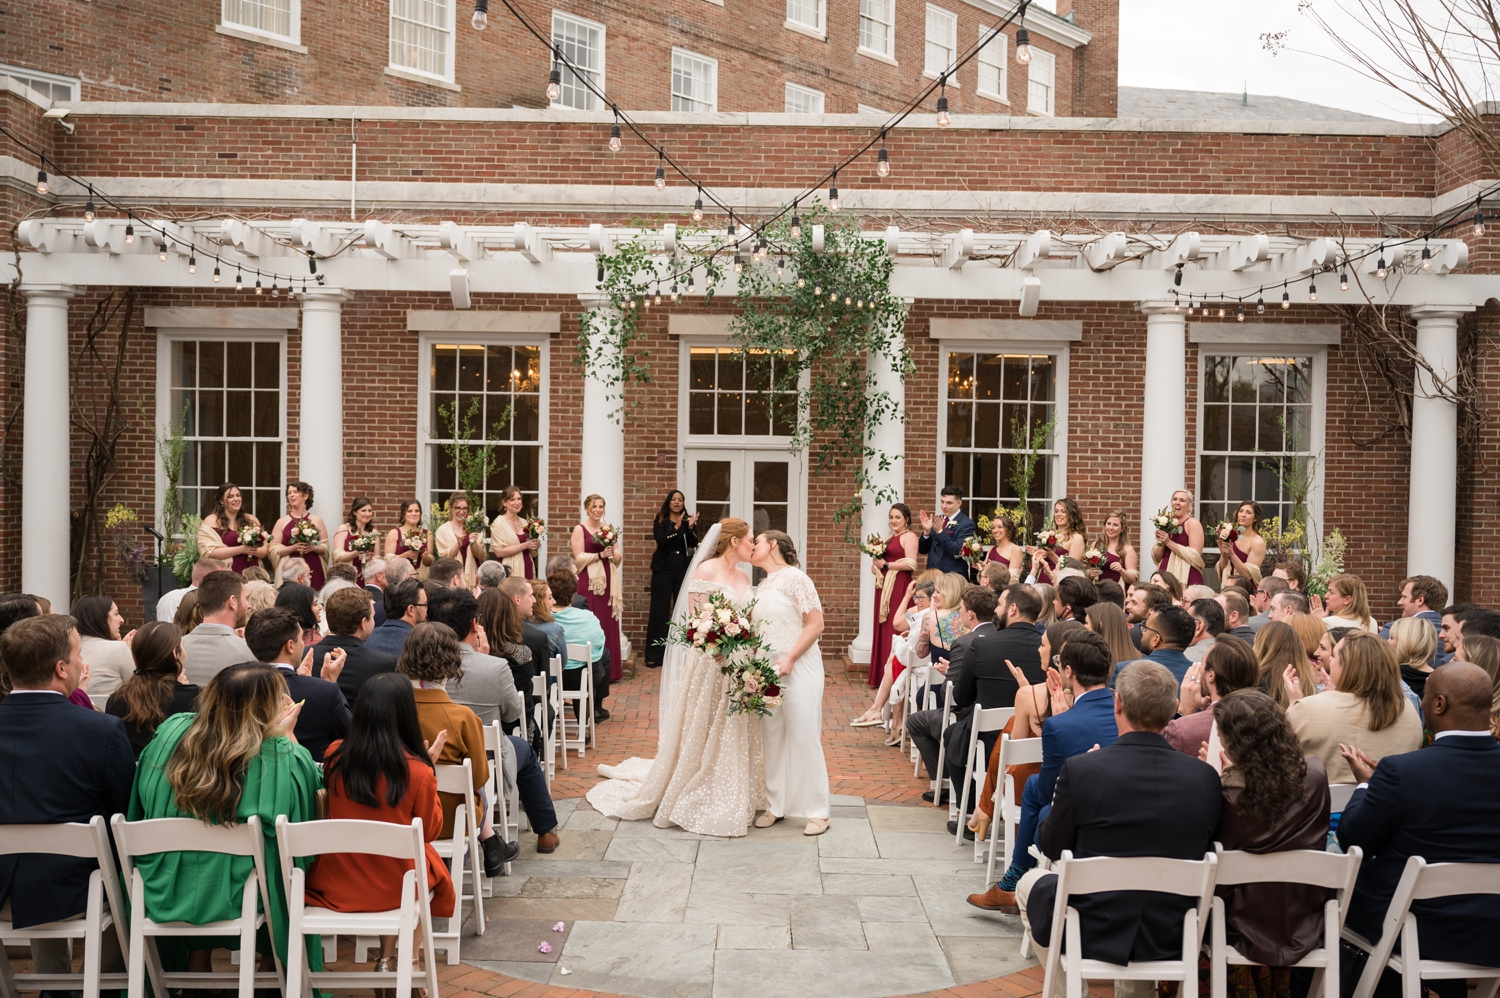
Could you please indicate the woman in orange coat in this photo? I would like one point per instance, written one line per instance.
(382, 772)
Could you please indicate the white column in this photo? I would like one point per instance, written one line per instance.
(1163, 411)
(887, 438)
(46, 526)
(1433, 511)
(320, 422)
(602, 455)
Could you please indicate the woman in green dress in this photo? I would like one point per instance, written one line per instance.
(236, 757)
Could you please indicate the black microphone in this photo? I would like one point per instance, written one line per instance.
(155, 533)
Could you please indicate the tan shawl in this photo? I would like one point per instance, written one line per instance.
(889, 575)
(502, 536)
(597, 576)
(447, 538)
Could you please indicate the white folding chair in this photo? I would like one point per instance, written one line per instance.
(1423, 881)
(541, 715)
(506, 806)
(555, 700)
(1333, 871)
(976, 769)
(1006, 812)
(1183, 877)
(104, 911)
(461, 844)
(163, 835)
(940, 781)
(583, 697)
(411, 923)
(928, 700)
(1338, 796)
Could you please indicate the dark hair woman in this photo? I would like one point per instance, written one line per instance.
(301, 533)
(1067, 530)
(156, 691)
(101, 644)
(383, 771)
(1241, 547)
(356, 541)
(231, 533)
(893, 569)
(676, 541)
(304, 601)
(409, 539)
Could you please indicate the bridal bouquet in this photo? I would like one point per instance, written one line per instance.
(475, 523)
(252, 536)
(724, 630)
(414, 539)
(535, 529)
(1093, 557)
(874, 546)
(973, 550)
(304, 531)
(1229, 531)
(364, 543)
(1046, 538)
(1164, 520)
(607, 536)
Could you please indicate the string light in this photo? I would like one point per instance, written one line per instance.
(1023, 45)
(129, 234)
(780, 265)
(1260, 303)
(796, 229)
(1478, 217)
(739, 264)
(1286, 296)
(1426, 256)
(1176, 302)
(161, 253)
(41, 181)
(1221, 306)
(674, 291)
(801, 282)
(258, 289)
(698, 207)
(731, 230)
(481, 18)
(88, 208)
(192, 264)
(943, 120)
(833, 192)
(883, 161)
(1380, 270)
(1344, 276)
(554, 78)
(1239, 313)
(661, 171)
(275, 292)
(614, 136)
(1312, 291)
(239, 280)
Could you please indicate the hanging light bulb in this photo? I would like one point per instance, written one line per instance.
(161, 253)
(1286, 297)
(129, 234)
(661, 170)
(1478, 217)
(481, 18)
(554, 82)
(1426, 256)
(41, 183)
(698, 207)
(780, 265)
(833, 192)
(656, 299)
(1239, 313)
(1221, 306)
(1260, 305)
(614, 136)
(732, 228)
(708, 279)
(88, 207)
(1312, 291)
(690, 282)
(943, 120)
(216, 271)
(1344, 277)
(801, 282)
(883, 161)
(796, 229)
(739, 264)
(258, 289)
(1380, 270)
(239, 280)
(1176, 303)
(1023, 46)
(275, 291)
(192, 264)
(674, 290)
(817, 290)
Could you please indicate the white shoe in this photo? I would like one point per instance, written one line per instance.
(816, 826)
(765, 819)
(870, 723)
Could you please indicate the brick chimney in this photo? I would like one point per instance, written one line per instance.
(1096, 79)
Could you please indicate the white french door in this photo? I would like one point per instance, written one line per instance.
(762, 487)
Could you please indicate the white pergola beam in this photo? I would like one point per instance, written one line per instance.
(314, 236)
(1107, 251)
(958, 250)
(380, 237)
(1185, 247)
(1243, 254)
(1038, 246)
(246, 239)
(456, 241)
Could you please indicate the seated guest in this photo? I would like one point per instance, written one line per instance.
(447, 573)
(57, 764)
(1140, 600)
(1171, 583)
(213, 645)
(1290, 571)
(1111, 591)
(1474, 621)
(1317, 641)
(1236, 613)
(518, 590)
(189, 616)
(1133, 797)
(1443, 804)
(1415, 643)
(1048, 596)
(1229, 665)
(294, 570)
(542, 620)
(108, 656)
(275, 638)
(303, 601)
(236, 757)
(489, 575)
(994, 575)
(382, 772)
(396, 572)
(255, 573)
(351, 621)
(155, 691)
(580, 627)
(559, 563)
(1089, 723)
(1277, 647)
(166, 607)
(1422, 598)
(1275, 799)
(1260, 600)
(1208, 624)
(342, 572)
(1167, 632)
(1348, 605)
(1108, 621)
(1362, 706)
(1075, 594)
(1287, 604)
(259, 595)
(375, 583)
(430, 660)
(1484, 652)
(486, 685)
(405, 608)
(500, 620)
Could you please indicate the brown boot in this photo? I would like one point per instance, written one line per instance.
(995, 899)
(547, 841)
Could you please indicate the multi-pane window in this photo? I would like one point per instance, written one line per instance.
(806, 13)
(226, 396)
(877, 26)
(695, 81)
(422, 37)
(49, 85)
(268, 17)
(942, 40)
(486, 393)
(1257, 433)
(1041, 84)
(803, 100)
(996, 404)
(729, 393)
(992, 65)
(582, 45)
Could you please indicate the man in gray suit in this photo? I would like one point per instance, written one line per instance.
(213, 645)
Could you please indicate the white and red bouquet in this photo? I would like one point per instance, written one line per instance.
(363, 543)
(973, 550)
(535, 529)
(1229, 532)
(304, 531)
(1046, 538)
(607, 536)
(252, 536)
(1094, 558)
(874, 546)
(719, 627)
(1164, 520)
(415, 539)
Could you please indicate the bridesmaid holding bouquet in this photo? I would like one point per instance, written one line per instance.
(302, 533)
(356, 540)
(1006, 552)
(511, 536)
(1118, 559)
(596, 557)
(409, 539)
(462, 537)
(231, 534)
(892, 570)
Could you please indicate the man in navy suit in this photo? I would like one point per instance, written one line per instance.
(943, 535)
(375, 583)
(58, 763)
(275, 638)
(1070, 731)
(1441, 803)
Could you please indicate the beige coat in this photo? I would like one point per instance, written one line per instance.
(1325, 719)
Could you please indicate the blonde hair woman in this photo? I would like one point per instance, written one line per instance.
(1277, 648)
(1415, 644)
(942, 626)
(1108, 621)
(598, 568)
(1346, 605)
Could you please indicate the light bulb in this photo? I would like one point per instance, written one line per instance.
(614, 137)
(1023, 46)
(554, 83)
(258, 289)
(275, 292)
(730, 231)
(1344, 280)
(129, 234)
(1380, 270)
(674, 291)
(1286, 299)
(192, 265)
(883, 164)
(1221, 310)
(848, 300)
(817, 290)
(739, 264)
(942, 112)
(41, 185)
(833, 193)
(1478, 217)
(1260, 306)
(648, 301)
(801, 282)
(796, 226)
(1176, 304)
(161, 253)
(239, 281)
(1426, 257)
(1312, 291)
(698, 208)
(1239, 313)
(88, 209)
(708, 279)
(216, 272)
(780, 265)
(690, 282)
(481, 19)
(661, 178)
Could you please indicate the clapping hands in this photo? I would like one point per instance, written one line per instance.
(435, 747)
(1190, 698)
(1058, 692)
(1361, 765)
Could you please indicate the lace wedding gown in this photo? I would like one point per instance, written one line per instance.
(796, 774)
(709, 773)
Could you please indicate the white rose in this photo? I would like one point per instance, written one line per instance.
(725, 616)
(731, 628)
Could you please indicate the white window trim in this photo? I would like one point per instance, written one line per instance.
(867, 109)
(714, 87)
(13, 72)
(1266, 346)
(165, 337)
(890, 25)
(1061, 350)
(603, 44)
(425, 342)
(1003, 40)
(1051, 90)
(934, 74)
(256, 34)
(819, 30)
(406, 72)
(822, 98)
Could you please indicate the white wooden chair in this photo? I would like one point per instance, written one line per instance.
(162, 835)
(506, 805)
(976, 767)
(1007, 813)
(541, 714)
(104, 911)
(1338, 796)
(1423, 881)
(460, 846)
(1183, 877)
(940, 781)
(1334, 871)
(555, 699)
(583, 697)
(411, 923)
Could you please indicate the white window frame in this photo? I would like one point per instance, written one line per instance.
(889, 52)
(26, 77)
(712, 66)
(425, 342)
(447, 75)
(867, 109)
(1039, 59)
(1317, 426)
(1058, 487)
(166, 418)
(597, 75)
(950, 44)
(992, 55)
(815, 97)
(820, 16)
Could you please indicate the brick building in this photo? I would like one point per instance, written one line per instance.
(457, 246)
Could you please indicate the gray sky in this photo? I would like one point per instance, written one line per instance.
(1215, 45)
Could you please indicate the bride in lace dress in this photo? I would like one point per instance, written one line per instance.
(790, 616)
(708, 776)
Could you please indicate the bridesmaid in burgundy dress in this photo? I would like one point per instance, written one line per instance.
(1121, 563)
(1067, 523)
(1244, 554)
(598, 568)
(219, 536)
(892, 576)
(400, 542)
(299, 500)
(1181, 553)
(1006, 551)
(357, 527)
